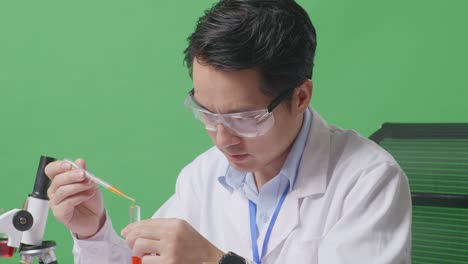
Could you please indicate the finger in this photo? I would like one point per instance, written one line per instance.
(152, 259)
(149, 228)
(160, 229)
(144, 232)
(69, 177)
(57, 167)
(65, 191)
(144, 246)
(156, 224)
(69, 204)
(81, 163)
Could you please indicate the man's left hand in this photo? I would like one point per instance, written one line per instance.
(169, 240)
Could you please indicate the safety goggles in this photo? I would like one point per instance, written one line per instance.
(244, 124)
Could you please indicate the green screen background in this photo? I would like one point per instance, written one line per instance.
(105, 80)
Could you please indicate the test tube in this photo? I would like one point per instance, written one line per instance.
(135, 216)
(134, 213)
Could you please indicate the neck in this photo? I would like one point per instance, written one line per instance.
(266, 174)
(273, 168)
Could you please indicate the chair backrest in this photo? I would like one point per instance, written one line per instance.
(435, 159)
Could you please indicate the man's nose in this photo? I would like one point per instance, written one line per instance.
(225, 137)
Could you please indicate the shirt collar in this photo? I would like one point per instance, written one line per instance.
(233, 179)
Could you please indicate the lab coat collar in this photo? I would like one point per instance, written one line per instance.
(312, 175)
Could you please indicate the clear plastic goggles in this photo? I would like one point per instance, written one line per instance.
(244, 124)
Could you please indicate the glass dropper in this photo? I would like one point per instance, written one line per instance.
(101, 181)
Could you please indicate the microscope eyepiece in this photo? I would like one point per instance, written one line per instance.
(42, 181)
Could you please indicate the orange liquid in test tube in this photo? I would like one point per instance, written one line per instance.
(136, 260)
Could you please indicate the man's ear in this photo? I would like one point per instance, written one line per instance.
(302, 96)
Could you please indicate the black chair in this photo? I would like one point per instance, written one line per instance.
(435, 159)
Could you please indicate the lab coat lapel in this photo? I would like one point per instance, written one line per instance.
(287, 220)
(312, 174)
(311, 179)
(238, 216)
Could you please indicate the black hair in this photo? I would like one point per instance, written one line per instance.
(275, 37)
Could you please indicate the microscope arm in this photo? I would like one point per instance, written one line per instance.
(13, 223)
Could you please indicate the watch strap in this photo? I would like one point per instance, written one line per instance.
(232, 258)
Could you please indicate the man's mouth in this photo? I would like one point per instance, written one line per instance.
(237, 157)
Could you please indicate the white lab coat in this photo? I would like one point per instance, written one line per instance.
(350, 204)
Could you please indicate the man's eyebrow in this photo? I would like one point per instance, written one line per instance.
(232, 111)
(241, 109)
(199, 104)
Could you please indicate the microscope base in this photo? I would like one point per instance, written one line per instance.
(44, 253)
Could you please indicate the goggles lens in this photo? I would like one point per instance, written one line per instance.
(245, 124)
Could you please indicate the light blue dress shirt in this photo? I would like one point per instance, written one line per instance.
(270, 193)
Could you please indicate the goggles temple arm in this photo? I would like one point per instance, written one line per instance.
(278, 100)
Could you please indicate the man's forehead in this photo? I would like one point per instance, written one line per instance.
(222, 91)
(223, 103)
(203, 73)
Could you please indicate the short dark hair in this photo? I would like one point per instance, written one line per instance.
(275, 37)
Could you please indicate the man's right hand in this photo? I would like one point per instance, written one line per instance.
(75, 200)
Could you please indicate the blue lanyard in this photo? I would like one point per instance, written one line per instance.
(253, 227)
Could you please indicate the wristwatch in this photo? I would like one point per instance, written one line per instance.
(232, 258)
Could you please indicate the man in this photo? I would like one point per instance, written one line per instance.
(281, 185)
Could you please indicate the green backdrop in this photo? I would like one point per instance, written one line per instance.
(104, 80)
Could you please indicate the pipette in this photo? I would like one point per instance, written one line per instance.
(101, 182)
